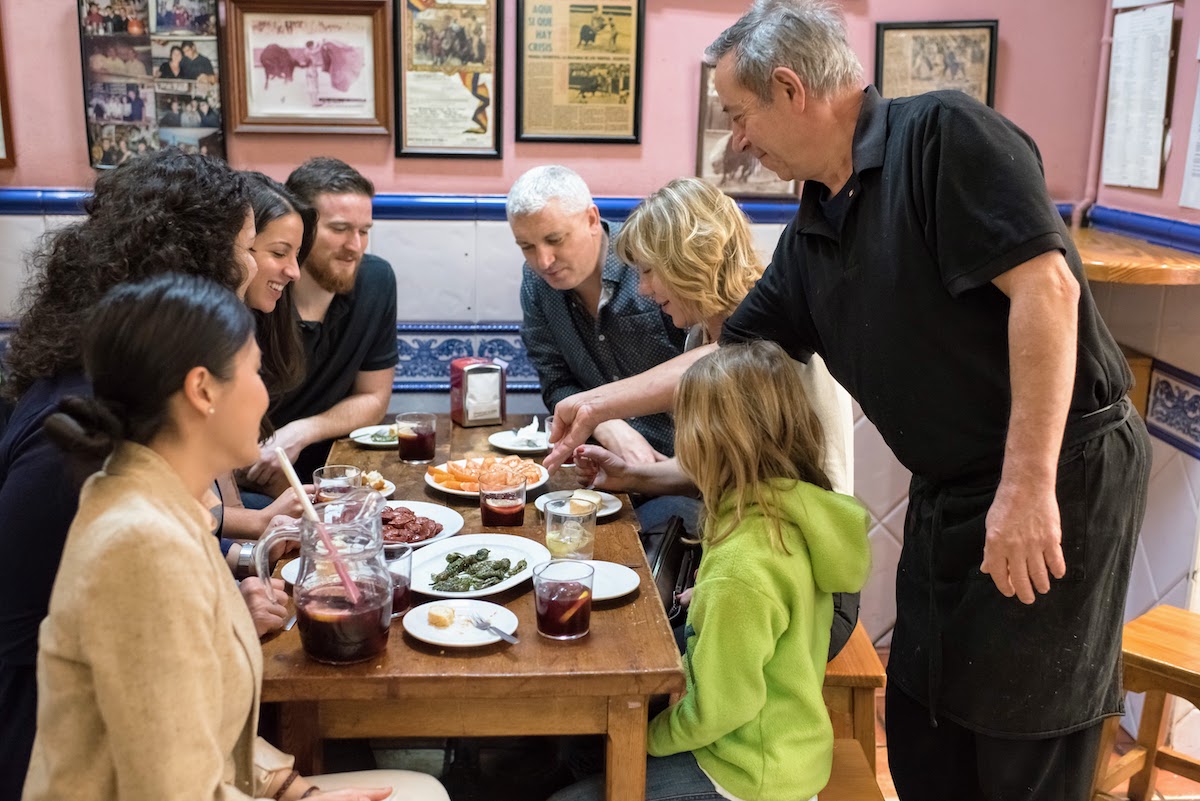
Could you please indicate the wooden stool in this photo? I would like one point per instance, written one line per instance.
(851, 779)
(851, 681)
(1161, 651)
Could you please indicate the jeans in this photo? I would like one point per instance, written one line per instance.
(672, 778)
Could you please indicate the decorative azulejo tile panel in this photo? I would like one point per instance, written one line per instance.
(1173, 412)
(426, 350)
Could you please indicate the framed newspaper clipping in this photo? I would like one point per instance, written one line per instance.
(916, 57)
(321, 66)
(579, 71)
(448, 78)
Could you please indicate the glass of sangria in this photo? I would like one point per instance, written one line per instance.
(332, 482)
(399, 564)
(501, 500)
(416, 437)
(562, 597)
(571, 528)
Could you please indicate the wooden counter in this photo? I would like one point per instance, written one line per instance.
(1118, 259)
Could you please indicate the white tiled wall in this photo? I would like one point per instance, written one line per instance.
(1163, 322)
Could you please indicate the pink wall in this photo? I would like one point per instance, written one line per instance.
(1165, 202)
(1047, 67)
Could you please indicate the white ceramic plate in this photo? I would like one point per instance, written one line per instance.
(452, 523)
(429, 480)
(389, 489)
(432, 560)
(462, 633)
(508, 441)
(362, 437)
(612, 580)
(609, 504)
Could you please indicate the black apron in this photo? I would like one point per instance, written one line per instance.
(993, 664)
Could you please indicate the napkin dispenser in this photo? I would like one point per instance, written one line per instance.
(477, 391)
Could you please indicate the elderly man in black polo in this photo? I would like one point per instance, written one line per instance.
(929, 268)
(584, 322)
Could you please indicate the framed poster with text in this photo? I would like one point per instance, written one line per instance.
(448, 78)
(579, 71)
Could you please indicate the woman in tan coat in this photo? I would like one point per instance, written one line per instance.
(149, 668)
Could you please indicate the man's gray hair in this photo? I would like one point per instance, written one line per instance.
(532, 191)
(807, 36)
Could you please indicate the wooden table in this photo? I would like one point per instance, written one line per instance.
(597, 685)
(851, 680)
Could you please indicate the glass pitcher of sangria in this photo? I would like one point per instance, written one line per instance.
(343, 596)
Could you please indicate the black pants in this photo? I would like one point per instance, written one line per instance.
(18, 723)
(952, 763)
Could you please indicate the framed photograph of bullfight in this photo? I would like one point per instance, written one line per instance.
(916, 57)
(579, 71)
(448, 78)
(718, 161)
(318, 66)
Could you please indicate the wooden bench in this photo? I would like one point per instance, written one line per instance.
(851, 681)
(851, 779)
(1161, 653)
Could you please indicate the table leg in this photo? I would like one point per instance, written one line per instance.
(625, 767)
(300, 736)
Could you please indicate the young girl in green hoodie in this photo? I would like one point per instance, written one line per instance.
(777, 543)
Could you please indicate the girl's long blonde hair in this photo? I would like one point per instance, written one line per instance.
(741, 419)
(697, 240)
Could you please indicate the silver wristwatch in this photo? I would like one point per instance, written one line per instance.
(245, 560)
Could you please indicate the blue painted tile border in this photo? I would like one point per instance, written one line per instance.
(1173, 410)
(1159, 230)
(392, 206)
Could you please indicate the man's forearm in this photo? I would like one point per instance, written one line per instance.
(343, 417)
(1042, 335)
(650, 392)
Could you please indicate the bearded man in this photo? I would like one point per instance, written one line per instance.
(345, 305)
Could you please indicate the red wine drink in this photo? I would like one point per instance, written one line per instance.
(401, 595)
(564, 609)
(334, 630)
(416, 446)
(501, 512)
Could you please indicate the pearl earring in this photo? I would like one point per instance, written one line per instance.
(211, 410)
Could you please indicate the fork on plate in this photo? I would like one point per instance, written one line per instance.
(486, 625)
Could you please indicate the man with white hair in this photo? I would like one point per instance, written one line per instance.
(584, 322)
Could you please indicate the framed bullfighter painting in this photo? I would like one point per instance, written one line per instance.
(735, 172)
(318, 66)
(579, 71)
(448, 78)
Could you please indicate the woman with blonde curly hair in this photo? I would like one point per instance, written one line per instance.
(693, 249)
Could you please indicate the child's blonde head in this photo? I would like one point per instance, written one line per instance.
(697, 240)
(742, 418)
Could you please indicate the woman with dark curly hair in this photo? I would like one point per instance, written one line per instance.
(166, 212)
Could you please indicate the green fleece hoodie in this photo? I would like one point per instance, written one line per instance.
(757, 640)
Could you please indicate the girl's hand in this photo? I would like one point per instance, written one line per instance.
(601, 468)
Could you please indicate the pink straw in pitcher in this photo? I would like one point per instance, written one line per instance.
(311, 514)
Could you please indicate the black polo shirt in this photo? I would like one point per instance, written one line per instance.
(897, 297)
(358, 334)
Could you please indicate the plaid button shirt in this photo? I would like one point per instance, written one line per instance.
(572, 351)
